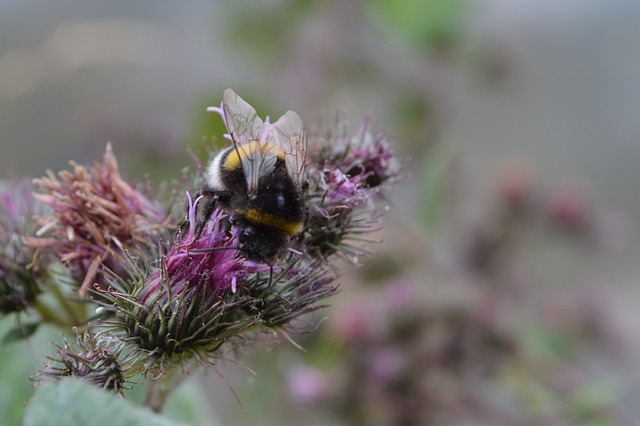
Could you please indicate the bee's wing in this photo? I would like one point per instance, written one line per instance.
(241, 118)
(245, 127)
(258, 159)
(291, 139)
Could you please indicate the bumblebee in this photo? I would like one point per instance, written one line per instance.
(259, 180)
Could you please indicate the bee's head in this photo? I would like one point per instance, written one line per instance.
(260, 243)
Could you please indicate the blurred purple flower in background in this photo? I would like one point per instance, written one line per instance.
(307, 385)
(22, 269)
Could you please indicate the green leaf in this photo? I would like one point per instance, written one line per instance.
(21, 331)
(74, 403)
(17, 364)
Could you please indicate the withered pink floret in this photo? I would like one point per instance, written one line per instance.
(95, 211)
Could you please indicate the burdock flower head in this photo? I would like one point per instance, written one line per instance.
(364, 160)
(209, 261)
(22, 271)
(346, 174)
(94, 213)
(96, 359)
(188, 304)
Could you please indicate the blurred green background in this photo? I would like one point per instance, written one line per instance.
(515, 221)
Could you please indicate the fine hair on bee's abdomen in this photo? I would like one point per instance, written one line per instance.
(232, 180)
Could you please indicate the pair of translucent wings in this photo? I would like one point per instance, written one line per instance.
(259, 144)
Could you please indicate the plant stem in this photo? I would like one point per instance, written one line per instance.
(158, 389)
(49, 314)
(66, 305)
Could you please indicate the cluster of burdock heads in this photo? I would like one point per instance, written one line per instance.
(147, 293)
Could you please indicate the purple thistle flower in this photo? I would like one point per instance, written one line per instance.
(204, 295)
(210, 262)
(342, 189)
(365, 159)
(372, 158)
(346, 174)
(95, 213)
(188, 304)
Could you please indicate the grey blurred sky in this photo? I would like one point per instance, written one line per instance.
(74, 74)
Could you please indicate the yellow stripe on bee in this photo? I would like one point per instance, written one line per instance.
(289, 227)
(233, 159)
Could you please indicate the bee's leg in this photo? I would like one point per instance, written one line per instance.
(210, 200)
(312, 217)
(186, 224)
(183, 229)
